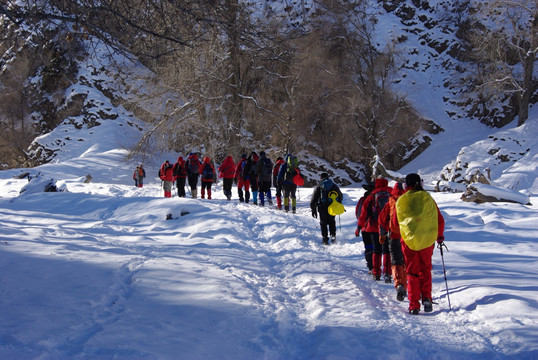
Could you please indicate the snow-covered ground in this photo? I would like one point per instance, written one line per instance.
(97, 272)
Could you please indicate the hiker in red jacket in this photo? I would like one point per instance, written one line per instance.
(192, 165)
(421, 225)
(276, 184)
(242, 182)
(167, 176)
(227, 172)
(141, 175)
(391, 233)
(366, 239)
(180, 172)
(207, 171)
(368, 223)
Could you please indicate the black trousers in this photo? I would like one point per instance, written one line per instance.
(326, 221)
(180, 184)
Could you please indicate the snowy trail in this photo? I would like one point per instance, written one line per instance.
(227, 276)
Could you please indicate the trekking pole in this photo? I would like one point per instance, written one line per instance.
(440, 246)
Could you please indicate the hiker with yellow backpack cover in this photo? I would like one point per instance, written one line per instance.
(421, 225)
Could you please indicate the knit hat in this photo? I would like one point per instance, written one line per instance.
(412, 180)
(324, 176)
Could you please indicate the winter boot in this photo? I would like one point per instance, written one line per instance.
(293, 205)
(203, 193)
(194, 193)
(400, 293)
(333, 239)
(414, 311)
(286, 204)
(279, 202)
(209, 193)
(247, 196)
(427, 303)
(388, 278)
(325, 240)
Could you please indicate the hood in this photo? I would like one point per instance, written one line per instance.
(381, 183)
(207, 160)
(397, 190)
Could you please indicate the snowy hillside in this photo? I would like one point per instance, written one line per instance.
(98, 273)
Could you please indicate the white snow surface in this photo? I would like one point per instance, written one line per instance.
(96, 272)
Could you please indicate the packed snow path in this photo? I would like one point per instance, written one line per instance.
(99, 272)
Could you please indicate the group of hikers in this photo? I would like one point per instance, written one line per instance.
(399, 228)
(399, 225)
(253, 175)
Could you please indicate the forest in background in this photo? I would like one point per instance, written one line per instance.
(233, 76)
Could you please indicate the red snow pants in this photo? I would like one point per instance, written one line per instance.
(418, 265)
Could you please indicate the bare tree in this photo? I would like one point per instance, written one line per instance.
(506, 45)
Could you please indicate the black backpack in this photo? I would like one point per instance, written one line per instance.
(267, 170)
(245, 169)
(381, 198)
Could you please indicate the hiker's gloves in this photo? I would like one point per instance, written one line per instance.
(382, 239)
(358, 231)
(314, 213)
(440, 240)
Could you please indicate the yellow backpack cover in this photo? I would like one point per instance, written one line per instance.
(417, 215)
(335, 208)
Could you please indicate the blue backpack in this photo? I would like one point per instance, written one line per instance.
(208, 172)
(326, 186)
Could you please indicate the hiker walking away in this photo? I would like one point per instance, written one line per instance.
(252, 175)
(242, 183)
(276, 183)
(192, 165)
(371, 208)
(167, 176)
(264, 169)
(285, 176)
(181, 176)
(135, 176)
(141, 175)
(226, 172)
(366, 236)
(421, 225)
(389, 231)
(319, 204)
(207, 171)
